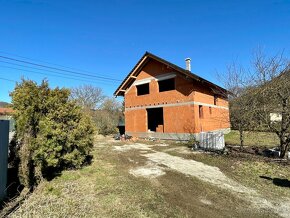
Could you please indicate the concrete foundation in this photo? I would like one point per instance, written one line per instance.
(172, 136)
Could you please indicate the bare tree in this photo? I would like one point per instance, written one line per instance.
(88, 96)
(104, 111)
(267, 68)
(111, 104)
(260, 92)
(236, 81)
(107, 116)
(272, 96)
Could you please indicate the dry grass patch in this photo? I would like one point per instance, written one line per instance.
(104, 189)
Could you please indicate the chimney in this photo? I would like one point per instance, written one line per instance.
(188, 66)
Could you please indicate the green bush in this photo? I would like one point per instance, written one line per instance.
(52, 132)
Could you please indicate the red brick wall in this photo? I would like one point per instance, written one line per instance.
(152, 69)
(136, 120)
(179, 118)
(202, 93)
(218, 119)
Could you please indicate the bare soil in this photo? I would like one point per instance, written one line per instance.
(205, 173)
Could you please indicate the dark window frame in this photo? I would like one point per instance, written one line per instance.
(215, 98)
(143, 89)
(200, 111)
(167, 85)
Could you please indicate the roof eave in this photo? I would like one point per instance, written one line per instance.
(120, 91)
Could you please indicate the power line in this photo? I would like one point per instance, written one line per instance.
(59, 69)
(10, 80)
(32, 59)
(50, 71)
(46, 74)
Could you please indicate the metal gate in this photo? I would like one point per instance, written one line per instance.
(4, 141)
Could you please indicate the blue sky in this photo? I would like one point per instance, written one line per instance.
(107, 38)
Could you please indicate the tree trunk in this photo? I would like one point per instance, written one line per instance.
(241, 138)
(283, 138)
(26, 166)
(283, 147)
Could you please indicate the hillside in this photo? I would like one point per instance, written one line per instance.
(4, 104)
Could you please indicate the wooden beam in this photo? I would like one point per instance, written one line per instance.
(134, 77)
(136, 68)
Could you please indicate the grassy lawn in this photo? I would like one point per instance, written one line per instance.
(267, 139)
(107, 189)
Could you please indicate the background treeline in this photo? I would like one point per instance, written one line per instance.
(106, 112)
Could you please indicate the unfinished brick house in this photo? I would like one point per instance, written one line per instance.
(165, 101)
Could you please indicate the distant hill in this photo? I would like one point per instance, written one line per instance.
(4, 104)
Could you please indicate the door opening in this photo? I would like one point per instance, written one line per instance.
(155, 119)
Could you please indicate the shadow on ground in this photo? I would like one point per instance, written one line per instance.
(278, 181)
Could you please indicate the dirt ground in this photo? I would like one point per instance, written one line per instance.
(203, 172)
(160, 179)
